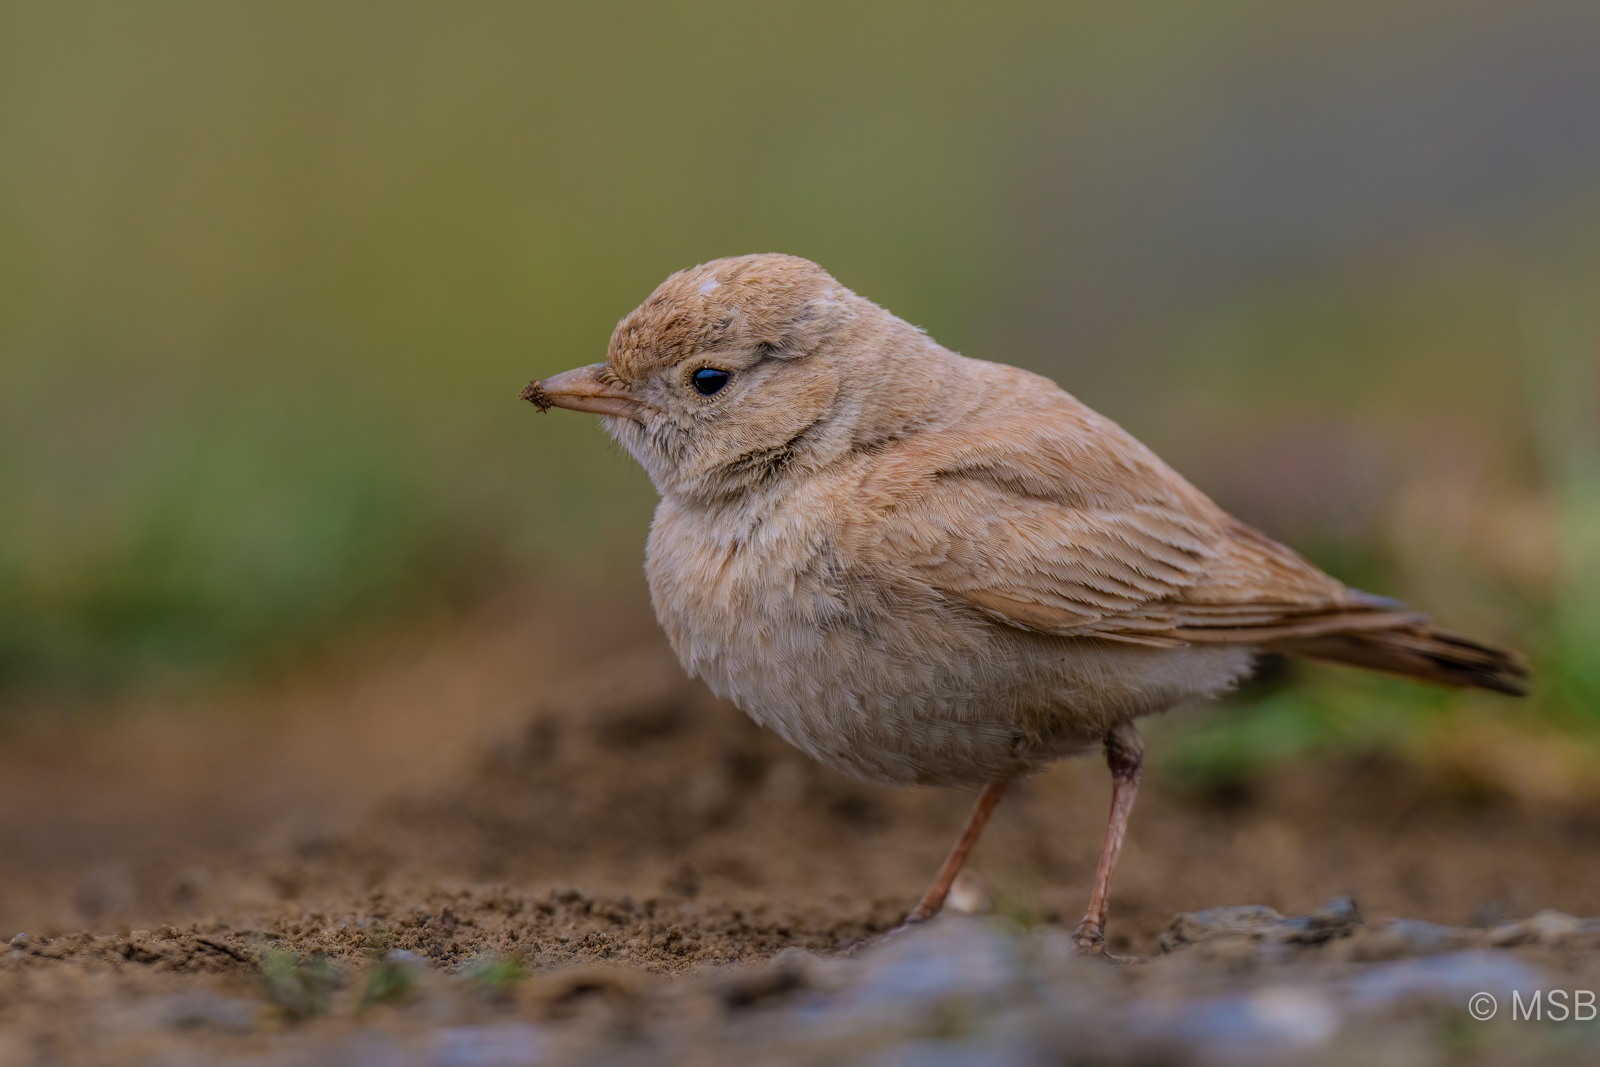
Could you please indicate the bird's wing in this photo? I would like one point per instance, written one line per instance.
(1071, 527)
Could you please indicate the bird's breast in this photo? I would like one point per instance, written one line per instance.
(720, 579)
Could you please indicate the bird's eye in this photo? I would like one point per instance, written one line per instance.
(708, 380)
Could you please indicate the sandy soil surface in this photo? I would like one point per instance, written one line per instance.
(517, 817)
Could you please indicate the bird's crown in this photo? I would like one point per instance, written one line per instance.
(777, 303)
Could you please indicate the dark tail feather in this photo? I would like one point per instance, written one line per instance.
(1418, 652)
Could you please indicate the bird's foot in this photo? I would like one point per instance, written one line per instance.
(1089, 939)
(912, 921)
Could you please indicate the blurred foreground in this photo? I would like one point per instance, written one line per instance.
(521, 824)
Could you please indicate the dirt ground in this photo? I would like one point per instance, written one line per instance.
(523, 797)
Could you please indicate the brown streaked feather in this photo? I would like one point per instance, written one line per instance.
(1289, 627)
(1069, 526)
(1073, 528)
(1418, 651)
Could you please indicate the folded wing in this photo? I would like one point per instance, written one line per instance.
(1071, 527)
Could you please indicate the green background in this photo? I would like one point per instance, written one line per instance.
(272, 275)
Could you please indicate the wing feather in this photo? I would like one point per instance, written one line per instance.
(1069, 526)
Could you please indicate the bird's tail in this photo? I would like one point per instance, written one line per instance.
(1418, 651)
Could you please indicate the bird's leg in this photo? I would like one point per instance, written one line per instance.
(1124, 754)
(933, 899)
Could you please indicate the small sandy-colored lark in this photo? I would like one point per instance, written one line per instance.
(923, 568)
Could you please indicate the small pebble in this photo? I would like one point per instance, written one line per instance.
(1259, 924)
(1550, 925)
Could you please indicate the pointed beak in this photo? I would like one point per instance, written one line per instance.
(582, 390)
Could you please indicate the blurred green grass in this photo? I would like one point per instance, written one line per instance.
(227, 540)
(1495, 529)
(272, 275)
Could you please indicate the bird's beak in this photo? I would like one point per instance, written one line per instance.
(582, 390)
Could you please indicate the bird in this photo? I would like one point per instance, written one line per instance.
(922, 568)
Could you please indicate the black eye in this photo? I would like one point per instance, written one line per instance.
(708, 380)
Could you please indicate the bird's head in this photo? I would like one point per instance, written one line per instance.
(742, 373)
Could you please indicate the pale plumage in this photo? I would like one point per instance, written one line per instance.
(919, 567)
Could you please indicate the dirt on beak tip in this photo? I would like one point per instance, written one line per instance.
(534, 394)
